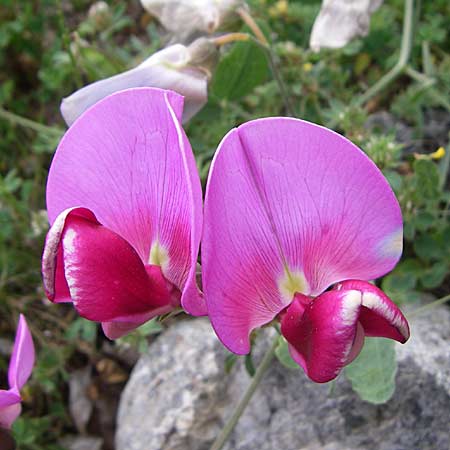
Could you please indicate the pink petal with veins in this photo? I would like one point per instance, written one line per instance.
(128, 161)
(290, 207)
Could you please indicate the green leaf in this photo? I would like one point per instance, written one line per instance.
(283, 355)
(151, 327)
(424, 220)
(230, 361)
(249, 366)
(372, 373)
(403, 277)
(428, 247)
(242, 69)
(82, 329)
(427, 179)
(433, 276)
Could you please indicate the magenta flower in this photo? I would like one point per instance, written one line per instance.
(20, 367)
(124, 200)
(291, 209)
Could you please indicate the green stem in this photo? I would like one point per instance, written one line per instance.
(262, 41)
(421, 78)
(426, 59)
(28, 123)
(431, 305)
(400, 66)
(233, 420)
(281, 86)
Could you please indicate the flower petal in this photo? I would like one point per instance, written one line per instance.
(115, 330)
(321, 339)
(379, 316)
(8, 398)
(9, 408)
(240, 258)
(187, 18)
(23, 356)
(192, 299)
(106, 278)
(123, 160)
(339, 21)
(166, 69)
(54, 279)
(290, 207)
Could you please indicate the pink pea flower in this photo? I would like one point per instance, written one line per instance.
(125, 206)
(20, 367)
(292, 209)
(173, 68)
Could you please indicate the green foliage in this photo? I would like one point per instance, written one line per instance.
(50, 48)
(242, 69)
(372, 373)
(139, 337)
(283, 355)
(33, 434)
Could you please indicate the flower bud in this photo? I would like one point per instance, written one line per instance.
(185, 70)
(188, 18)
(339, 21)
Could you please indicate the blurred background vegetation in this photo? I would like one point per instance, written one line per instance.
(49, 48)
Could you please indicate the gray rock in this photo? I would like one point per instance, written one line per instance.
(82, 443)
(178, 397)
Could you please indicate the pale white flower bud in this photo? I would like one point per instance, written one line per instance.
(339, 21)
(185, 70)
(187, 18)
(100, 14)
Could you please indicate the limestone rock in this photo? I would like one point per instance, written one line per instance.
(178, 397)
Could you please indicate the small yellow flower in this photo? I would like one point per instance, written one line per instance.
(307, 67)
(439, 153)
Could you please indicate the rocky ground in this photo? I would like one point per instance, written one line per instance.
(178, 398)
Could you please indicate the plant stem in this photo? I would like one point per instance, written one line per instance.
(28, 123)
(431, 305)
(262, 41)
(233, 420)
(400, 66)
(254, 27)
(230, 37)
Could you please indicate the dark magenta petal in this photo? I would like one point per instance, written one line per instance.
(379, 315)
(328, 333)
(290, 207)
(119, 328)
(23, 356)
(323, 336)
(128, 160)
(106, 278)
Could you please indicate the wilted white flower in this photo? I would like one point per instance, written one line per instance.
(339, 21)
(186, 18)
(100, 14)
(182, 69)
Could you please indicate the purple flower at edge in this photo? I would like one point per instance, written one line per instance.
(20, 367)
(125, 206)
(297, 219)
